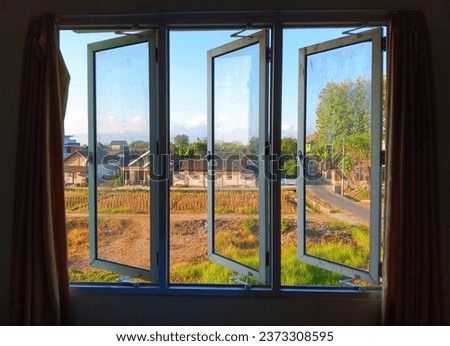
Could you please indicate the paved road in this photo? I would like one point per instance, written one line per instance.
(324, 192)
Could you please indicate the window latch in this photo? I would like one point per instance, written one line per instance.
(349, 282)
(300, 156)
(90, 157)
(127, 280)
(238, 280)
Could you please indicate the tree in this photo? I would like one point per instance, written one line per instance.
(181, 145)
(343, 126)
(229, 147)
(139, 144)
(199, 147)
(289, 147)
(253, 146)
(343, 110)
(289, 169)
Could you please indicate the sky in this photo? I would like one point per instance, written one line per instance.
(123, 106)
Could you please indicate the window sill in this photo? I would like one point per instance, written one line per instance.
(226, 291)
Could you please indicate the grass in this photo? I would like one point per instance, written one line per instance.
(92, 276)
(297, 273)
(285, 225)
(350, 245)
(293, 272)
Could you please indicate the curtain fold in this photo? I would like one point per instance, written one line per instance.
(413, 290)
(39, 278)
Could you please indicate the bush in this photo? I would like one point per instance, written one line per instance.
(285, 225)
(249, 224)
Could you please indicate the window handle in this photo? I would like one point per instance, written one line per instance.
(237, 279)
(300, 156)
(90, 157)
(127, 280)
(349, 282)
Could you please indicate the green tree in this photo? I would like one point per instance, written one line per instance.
(289, 146)
(229, 147)
(199, 147)
(343, 110)
(181, 145)
(139, 145)
(253, 146)
(289, 169)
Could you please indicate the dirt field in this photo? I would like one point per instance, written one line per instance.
(125, 237)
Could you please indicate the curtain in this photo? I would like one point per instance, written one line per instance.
(39, 278)
(413, 291)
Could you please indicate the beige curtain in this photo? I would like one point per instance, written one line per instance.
(413, 284)
(39, 278)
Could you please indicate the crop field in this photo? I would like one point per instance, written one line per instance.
(124, 235)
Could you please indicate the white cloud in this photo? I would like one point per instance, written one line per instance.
(195, 127)
(198, 121)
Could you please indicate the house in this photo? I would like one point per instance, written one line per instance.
(310, 141)
(231, 170)
(75, 168)
(118, 145)
(70, 145)
(132, 306)
(137, 170)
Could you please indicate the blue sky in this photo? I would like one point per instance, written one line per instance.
(188, 84)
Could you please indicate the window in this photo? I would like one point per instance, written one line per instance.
(187, 198)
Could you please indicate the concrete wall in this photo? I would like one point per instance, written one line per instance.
(108, 308)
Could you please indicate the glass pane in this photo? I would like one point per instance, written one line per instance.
(337, 164)
(123, 156)
(236, 149)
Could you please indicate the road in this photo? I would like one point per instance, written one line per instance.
(324, 192)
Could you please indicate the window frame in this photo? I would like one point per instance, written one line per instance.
(93, 48)
(374, 36)
(277, 21)
(262, 273)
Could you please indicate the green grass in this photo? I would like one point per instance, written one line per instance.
(297, 273)
(340, 252)
(293, 272)
(116, 210)
(248, 210)
(94, 276)
(285, 225)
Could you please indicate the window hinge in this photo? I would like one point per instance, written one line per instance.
(384, 44)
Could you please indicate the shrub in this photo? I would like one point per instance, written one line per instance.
(249, 224)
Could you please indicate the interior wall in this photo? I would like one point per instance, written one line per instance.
(14, 15)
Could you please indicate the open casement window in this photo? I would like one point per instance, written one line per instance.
(237, 115)
(340, 112)
(122, 95)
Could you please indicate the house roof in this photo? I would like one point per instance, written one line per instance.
(311, 138)
(225, 162)
(82, 152)
(119, 142)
